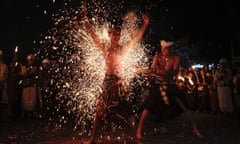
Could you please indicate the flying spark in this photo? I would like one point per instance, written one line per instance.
(77, 76)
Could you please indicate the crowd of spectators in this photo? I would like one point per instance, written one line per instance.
(212, 90)
(24, 88)
(25, 94)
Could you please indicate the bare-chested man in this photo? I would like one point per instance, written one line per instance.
(112, 54)
(164, 90)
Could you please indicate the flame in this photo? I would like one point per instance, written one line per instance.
(16, 49)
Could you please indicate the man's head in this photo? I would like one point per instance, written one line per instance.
(222, 62)
(30, 59)
(45, 62)
(1, 54)
(114, 34)
(166, 47)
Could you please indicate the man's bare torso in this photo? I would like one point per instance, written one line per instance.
(165, 65)
(113, 59)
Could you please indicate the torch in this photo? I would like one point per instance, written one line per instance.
(15, 53)
(15, 63)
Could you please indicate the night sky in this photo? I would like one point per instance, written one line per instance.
(24, 21)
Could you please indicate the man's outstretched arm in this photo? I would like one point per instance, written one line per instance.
(89, 28)
(139, 34)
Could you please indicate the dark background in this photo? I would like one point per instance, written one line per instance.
(212, 24)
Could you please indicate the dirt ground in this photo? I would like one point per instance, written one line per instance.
(217, 129)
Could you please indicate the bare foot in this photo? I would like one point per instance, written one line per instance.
(198, 134)
(138, 141)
